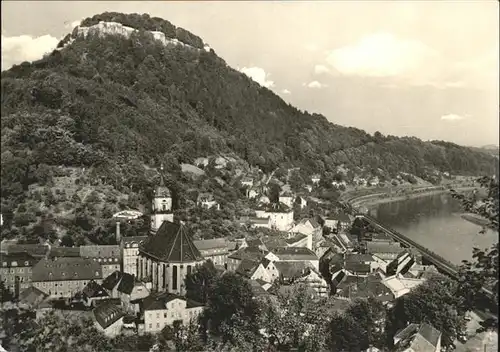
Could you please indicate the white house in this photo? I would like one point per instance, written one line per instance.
(163, 309)
(302, 202)
(309, 227)
(247, 181)
(315, 179)
(287, 198)
(400, 285)
(299, 240)
(207, 201)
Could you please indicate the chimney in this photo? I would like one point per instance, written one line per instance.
(118, 234)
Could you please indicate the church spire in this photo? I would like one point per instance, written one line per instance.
(162, 182)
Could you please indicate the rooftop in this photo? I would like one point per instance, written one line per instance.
(106, 314)
(32, 296)
(384, 247)
(21, 259)
(215, 243)
(292, 270)
(247, 267)
(172, 243)
(94, 290)
(296, 238)
(36, 250)
(123, 282)
(250, 253)
(294, 253)
(64, 252)
(66, 268)
(101, 251)
(133, 239)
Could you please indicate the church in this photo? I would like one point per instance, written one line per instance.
(168, 254)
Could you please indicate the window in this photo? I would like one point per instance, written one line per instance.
(174, 277)
(157, 325)
(165, 315)
(26, 263)
(150, 326)
(157, 315)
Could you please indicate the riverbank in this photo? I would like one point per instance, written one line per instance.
(476, 219)
(382, 198)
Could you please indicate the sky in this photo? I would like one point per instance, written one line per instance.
(420, 68)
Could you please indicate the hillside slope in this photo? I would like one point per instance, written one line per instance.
(124, 91)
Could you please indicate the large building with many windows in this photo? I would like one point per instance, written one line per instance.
(16, 271)
(166, 257)
(65, 276)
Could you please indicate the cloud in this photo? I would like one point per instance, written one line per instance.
(258, 75)
(319, 69)
(316, 85)
(286, 91)
(452, 117)
(18, 49)
(380, 55)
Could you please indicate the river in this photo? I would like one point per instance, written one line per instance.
(435, 222)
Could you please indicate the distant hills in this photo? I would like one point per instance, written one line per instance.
(123, 91)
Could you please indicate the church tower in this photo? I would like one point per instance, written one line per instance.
(162, 205)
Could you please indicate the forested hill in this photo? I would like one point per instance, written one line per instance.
(158, 93)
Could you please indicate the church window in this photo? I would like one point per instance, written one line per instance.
(174, 277)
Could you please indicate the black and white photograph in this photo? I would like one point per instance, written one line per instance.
(249, 176)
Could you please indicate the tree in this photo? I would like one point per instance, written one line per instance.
(231, 312)
(296, 320)
(67, 241)
(359, 327)
(5, 294)
(436, 301)
(483, 270)
(273, 193)
(200, 281)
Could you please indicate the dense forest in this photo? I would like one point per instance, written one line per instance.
(117, 106)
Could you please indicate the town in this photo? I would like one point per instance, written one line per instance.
(139, 284)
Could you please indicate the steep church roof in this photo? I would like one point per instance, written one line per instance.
(172, 243)
(161, 190)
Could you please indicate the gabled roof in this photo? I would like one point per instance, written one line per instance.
(275, 242)
(292, 270)
(101, 251)
(215, 243)
(106, 314)
(343, 217)
(21, 259)
(276, 208)
(358, 258)
(64, 252)
(94, 290)
(286, 194)
(313, 222)
(32, 296)
(36, 250)
(384, 247)
(66, 268)
(296, 238)
(171, 243)
(159, 301)
(250, 253)
(429, 333)
(254, 243)
(294, 253)
(414, 337)
(112, 280)
(356, 267)
(126, 283)
(247, 267)
(265, 262)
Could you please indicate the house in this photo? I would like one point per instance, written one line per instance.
(264, 200)
(344, 241)
(64, 277)
(247, 268)
(129, 247)
(254, 243)
(301, 201)
(247, 182)
(216, 249)
(166, 257)
(280, 216)
(308, 226)
(401, 265)
(287, 198)
(207, 201)
(303, 272)
(93, 292)
(16, 271)
(415, 337)
(299, 240)
(384, 250)
(254, 222)
(164, 309)
(400, 285)
(348, 286)
(126, 288)
(309, 188)
(356, 260)
(108, 256)
(261, 272)
(109, 319)
(259, 289)
(249, 253)
(294, 254)
(315, 179)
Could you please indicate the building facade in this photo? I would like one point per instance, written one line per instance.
(166, 257)
(216, 250)
(64, 277)
(108, 256)
(16, 271)
(129, 247)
